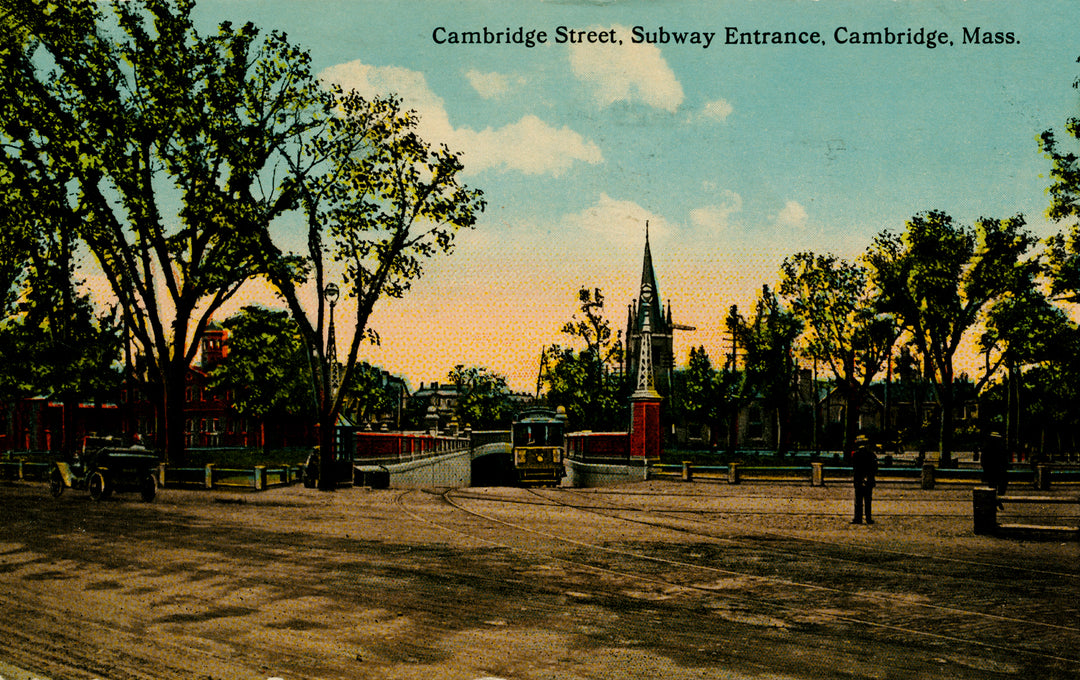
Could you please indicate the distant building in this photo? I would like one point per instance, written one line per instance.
(210, 420)
(441, 400)
(37, 423)
(436, 399)
(390, 417)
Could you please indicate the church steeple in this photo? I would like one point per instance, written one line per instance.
(649, 297)
(649, 324)
(648, 276)
(648, 349)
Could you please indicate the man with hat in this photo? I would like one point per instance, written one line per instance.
(864, 467)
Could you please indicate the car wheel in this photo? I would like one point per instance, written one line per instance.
(98, 487)
(56, 483)
(148, 488)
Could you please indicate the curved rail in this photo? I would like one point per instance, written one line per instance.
(455, 498)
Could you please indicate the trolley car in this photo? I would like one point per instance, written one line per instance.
(538, 448)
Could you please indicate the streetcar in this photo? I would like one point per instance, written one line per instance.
(537, 445)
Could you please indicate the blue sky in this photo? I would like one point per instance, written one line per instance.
(737, 155)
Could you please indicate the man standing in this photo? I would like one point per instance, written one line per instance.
(864, 467)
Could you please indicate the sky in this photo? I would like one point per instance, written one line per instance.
(736, 155)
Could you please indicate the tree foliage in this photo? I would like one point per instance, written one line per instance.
(266, 369)
(1064, 248)
(586, 382)
(483, 401)
(370, 393)
(768, 340)
(165, 143)
(1024, 327)
(844, 329)
(705, 395)
(938, 277)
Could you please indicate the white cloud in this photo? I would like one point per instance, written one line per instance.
(530, 145)
(619, 221)
(492, 85)
(792, 215)
(717, 110)
(717, 217)
(627, 73)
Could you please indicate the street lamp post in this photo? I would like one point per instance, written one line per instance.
(327, 472)
(331, 294)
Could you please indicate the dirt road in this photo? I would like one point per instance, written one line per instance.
(654, 580)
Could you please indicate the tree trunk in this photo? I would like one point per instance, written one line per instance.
(783, 436)
(327, 464)
(946, 434)
(1012, 418)
(154, 394)
(174, 397)
(733, 430)
(853, 403)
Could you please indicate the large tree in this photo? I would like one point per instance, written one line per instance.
(938, 277)
(1024, 329)
(1064, 190)
(585, 381)
(171, 147)
(483, 401)
(377, 201)
(843, 326)
(266, 370)
(187, 151)
(768, 343)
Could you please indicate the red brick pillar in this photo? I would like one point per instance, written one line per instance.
(645, 435)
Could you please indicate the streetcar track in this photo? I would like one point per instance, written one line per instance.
(800, 584)
(801, 539)
(591, 567)
(446, 497)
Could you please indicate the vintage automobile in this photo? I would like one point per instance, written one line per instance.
(104, 465)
